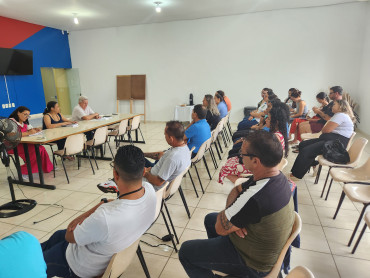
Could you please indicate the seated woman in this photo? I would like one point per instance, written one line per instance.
(226, 99)
(256, 115)
(20, 116)
(53, 118)
(213, 115)
(288, 101)
(221, 105)
(276, 122)
(315, 124)
(299, 115)
(340, 127)
(297, 123)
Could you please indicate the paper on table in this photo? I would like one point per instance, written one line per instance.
(70, 125)
(36, 134)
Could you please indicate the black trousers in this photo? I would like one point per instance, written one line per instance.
(309, 149)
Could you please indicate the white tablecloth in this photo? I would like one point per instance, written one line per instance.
(183, 113)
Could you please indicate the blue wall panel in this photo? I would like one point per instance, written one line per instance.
(50, 49)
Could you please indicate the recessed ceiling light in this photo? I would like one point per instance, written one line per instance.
(158, 8)
(75, 19)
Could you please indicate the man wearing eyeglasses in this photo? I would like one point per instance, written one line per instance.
(335, 94)
(246, 238)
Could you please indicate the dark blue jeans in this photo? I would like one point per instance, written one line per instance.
(200, 257)
(54, 251)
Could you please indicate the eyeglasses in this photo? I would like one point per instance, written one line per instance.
(26, 115)
(111, 164)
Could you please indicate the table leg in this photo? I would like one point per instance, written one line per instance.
(28, 162)
(17, 164)
(39, 165)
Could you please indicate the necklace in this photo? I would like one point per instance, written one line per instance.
(128, 193)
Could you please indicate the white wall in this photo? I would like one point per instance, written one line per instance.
(310, 49)
(363, 92)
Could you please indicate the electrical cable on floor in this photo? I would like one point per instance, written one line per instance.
(165, 238)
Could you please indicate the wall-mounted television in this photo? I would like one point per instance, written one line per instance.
(16, 61)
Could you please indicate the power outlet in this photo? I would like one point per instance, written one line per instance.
(3, 106)
(13, 105)
(6, 105)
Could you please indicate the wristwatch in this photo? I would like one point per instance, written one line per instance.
(104, 200)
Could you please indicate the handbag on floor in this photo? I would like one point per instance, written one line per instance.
(335, 152)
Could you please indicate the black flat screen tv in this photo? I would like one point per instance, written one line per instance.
(16, 61)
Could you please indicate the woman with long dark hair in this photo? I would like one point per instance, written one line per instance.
(221, 105)
(21, 116)
(53, 119)
(276, 122)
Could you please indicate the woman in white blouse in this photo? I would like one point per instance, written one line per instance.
(340, 127)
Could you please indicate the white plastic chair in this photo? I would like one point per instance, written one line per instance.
(99, 139)
(300, 272)
(120, 132)
(367, 224)
(199, 156)
(121, 261)
(135, 126)
(75, 144)
(355, 152)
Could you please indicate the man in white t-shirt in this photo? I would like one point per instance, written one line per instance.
(168, 165)
(83, 111)
(85, 248)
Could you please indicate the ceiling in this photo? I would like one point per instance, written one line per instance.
(94, 14)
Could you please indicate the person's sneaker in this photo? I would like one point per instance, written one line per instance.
(108, 187)
(25, 177)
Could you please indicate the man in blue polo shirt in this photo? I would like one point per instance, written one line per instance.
(198, 131)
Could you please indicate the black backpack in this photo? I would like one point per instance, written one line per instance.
(335, 152)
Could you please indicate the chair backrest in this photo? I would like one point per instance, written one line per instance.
(74, 144)
(355, 151)
(122, 128)
(297, 226)
(351, 140)
(220, 125)
(215, 133)
(135, 122)
(300, 272)
(365, 168)
(283, 163)
(201, 151)
(175, 184)
(240, 181)
(100, 135)
(160, 194)
(120, 261)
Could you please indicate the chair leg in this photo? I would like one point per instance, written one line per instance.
(110, 150)
(92, 149)
(92, 168)
(358, 224)
(65, 171)
(78, 162)
(184, 201)
(142, 261)
(219, 156)
(359, 239)
(219, 144)
(223, 138)
(326, 181)
(200, 182)
(213, 157)
(196, 192)
(205, 163)
(229, 126)
(169, 231)
(169, 217)
(141, 134)
(339, 204)
(327, 193)
(318, 174)
(54, 163)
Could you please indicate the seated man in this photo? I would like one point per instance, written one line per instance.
(246, 238)
(90, 241)
(168, 165)
(198, 131)
(21, 256)
(83, 111)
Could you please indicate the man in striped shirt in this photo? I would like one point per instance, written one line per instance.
(246, 238)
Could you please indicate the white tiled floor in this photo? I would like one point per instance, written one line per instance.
(323, 240)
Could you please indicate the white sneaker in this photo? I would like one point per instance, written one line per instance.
(25, 177)
(108, 187)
